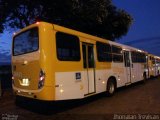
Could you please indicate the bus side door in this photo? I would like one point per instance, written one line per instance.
(128, 66)
(89, 68)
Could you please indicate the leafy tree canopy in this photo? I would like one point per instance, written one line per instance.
(96, 17)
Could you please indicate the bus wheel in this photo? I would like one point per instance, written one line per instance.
(111, 87)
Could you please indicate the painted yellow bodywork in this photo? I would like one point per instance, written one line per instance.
(45, 58)
(42, 60)
(48, 62)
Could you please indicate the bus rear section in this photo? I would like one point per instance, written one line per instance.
(27, 64)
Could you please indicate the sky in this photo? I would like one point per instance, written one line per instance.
(5, 47)
(145, 30)
(143, 34)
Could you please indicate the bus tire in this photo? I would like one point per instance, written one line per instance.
(111, 87)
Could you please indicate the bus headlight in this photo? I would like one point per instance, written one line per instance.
(41, 79)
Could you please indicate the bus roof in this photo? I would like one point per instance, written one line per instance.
(80, 34)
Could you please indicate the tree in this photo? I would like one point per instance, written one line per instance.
(96, 17)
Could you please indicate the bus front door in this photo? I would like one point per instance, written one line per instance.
(128, 66)
(89, 68)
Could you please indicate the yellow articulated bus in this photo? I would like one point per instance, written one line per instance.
(52, 63)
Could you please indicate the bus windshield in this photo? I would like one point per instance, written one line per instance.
(26, 42)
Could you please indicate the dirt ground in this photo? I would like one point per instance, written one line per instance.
(138, 101)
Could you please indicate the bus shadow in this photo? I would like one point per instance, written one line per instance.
(136, 85)
(51, 108)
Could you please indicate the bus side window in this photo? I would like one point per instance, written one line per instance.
(68, 47)
(104, 52)
(90, 57)
(117, 54)
(84, 56)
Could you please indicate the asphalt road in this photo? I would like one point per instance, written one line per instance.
(138, 101)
